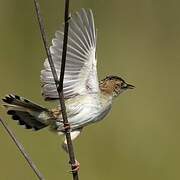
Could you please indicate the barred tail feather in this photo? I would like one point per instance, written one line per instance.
(27, 113)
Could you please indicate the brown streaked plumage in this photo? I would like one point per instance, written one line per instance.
(114, 85)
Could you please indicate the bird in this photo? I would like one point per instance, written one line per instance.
(87, 99)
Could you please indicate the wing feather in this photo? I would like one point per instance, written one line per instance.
(80, 73)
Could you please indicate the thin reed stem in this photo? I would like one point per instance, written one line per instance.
(22, 150)
(59, 83)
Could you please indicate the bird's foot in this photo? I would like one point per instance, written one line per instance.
(66, 127)
(75, 166)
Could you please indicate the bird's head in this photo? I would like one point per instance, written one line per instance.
(114, 85)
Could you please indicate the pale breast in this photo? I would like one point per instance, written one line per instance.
(85, 110)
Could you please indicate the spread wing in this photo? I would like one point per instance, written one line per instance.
(80, 73)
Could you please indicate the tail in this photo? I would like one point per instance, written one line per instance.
(31, 115)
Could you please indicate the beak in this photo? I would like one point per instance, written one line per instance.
(129, 86)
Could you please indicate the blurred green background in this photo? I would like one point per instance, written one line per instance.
(138, 40)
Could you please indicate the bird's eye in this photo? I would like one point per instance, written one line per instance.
(124, 85)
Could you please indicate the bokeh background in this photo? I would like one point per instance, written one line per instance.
(140, 139)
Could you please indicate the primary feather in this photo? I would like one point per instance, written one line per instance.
(80, 76)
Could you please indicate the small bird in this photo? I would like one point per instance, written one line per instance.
(87, 100)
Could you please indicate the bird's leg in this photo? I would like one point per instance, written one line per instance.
(74, 135)
(75, 166)
(66, 126)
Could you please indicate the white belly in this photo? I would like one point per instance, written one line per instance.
(83, 111)
(87, 116)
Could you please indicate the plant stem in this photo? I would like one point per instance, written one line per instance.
(59, 83)
(22, 150)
